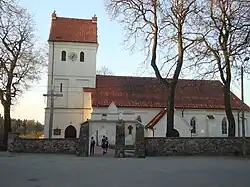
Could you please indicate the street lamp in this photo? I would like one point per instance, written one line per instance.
(242, 105)
(242, 96)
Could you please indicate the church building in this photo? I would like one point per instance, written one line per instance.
(81, 94)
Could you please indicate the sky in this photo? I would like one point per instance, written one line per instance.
(111, 51)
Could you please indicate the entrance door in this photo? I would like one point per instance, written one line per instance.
(70, 132)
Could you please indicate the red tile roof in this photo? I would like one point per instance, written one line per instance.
(73, 30)
(148, 92)
(156, 119)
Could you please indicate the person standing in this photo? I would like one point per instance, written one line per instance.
(104, 145)
(92, 146)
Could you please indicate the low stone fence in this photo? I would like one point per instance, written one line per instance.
(215, 146)
(67, 146)
(161, 146)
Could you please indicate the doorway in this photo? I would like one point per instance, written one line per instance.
(70, 132)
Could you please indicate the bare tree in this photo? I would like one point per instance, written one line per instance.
(7, 6)
(104, 71)
(3, 4)
(160, 28)
(224, 28)
(20, 62)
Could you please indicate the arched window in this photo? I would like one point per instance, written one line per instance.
(82, 57)
(130, 128)
(224, 126)
(63, 57)
(193, 125)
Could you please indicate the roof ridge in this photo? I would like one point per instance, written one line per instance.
(82, 19)
(134, 76)
(141, 92)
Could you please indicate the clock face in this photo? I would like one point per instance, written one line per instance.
(73, 56)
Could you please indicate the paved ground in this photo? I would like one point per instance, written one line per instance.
(98, 152)
(41, 170)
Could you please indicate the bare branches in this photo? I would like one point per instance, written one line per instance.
(104, 71)
(159, 27)
(20, 62)
(223, 27)
(8, 6)
(141, 22)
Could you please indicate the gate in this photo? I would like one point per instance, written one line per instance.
(83, 145)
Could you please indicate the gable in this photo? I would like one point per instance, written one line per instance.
(112, 108)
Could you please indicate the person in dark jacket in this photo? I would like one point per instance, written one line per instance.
(104, 145)
(92, 146)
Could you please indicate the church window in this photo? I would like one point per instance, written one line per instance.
(82, 57)
(60, 87)
(193, 125)
(104, 116)
(224, 126)
(63, 57)
(130, 128)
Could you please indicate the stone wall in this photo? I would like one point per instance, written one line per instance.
(196, 146)
(120, 140)
(67, 146)
(82, 148)
(153, 146)
(139, 141)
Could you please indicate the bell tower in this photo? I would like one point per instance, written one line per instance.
(72, 67)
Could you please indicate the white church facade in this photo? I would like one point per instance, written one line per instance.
(73, 46)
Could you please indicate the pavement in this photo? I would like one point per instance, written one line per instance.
(98, 152)
(56, 170)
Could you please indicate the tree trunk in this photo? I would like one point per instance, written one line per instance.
(229, 113)
(171, 132)
(7, 124)
(170, 113)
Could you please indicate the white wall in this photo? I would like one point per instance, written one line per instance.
(207, 127)
(127, 113)
(147, 114)
(62, 119)
(160, 128)
(108, 128)
(74, 75)
(204, 126)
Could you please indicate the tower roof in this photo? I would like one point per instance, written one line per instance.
(73, 29)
